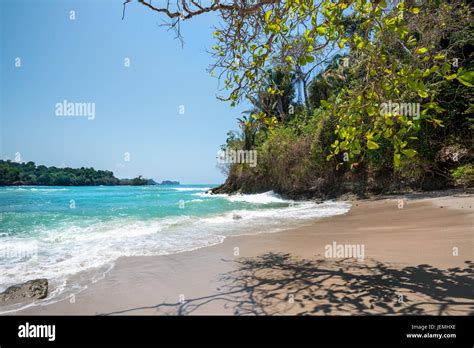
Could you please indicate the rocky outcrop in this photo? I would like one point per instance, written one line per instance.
(31, 290)
(362, 183)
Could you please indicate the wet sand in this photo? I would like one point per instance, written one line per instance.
(417, 260)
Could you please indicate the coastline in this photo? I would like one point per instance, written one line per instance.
(408, 254)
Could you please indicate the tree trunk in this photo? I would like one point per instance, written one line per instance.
(306, 99)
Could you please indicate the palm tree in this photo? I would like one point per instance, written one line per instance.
(275, 104)
(249, 128)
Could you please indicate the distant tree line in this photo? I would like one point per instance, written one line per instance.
(27, 173)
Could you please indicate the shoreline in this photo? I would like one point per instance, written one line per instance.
(286, 272)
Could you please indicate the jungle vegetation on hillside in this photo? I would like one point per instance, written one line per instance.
(346, 95)
(391, 111)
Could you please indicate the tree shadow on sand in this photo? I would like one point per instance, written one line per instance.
(275, 284)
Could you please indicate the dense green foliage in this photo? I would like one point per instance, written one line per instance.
(15, 173)
(464, 175)
(343, 138)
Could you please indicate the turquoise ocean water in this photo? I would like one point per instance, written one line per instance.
(56, 232)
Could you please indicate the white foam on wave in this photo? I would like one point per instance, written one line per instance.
(277, 216)
(210, 195)
(258, 198)
(179, 189)
(47, 189)
(185, 189)
(35, 189)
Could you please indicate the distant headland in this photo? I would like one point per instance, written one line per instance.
(28, 173)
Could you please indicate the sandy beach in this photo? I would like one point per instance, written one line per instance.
(418, 259)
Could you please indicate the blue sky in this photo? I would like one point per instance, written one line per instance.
(137, 108)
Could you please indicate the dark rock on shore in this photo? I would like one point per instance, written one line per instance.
(31, 290)
(348, 186)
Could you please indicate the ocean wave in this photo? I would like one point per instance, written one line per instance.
(258, 198)
(185, 189)
(179, 189)
(48, 189)
(210, 195)
(35, 189)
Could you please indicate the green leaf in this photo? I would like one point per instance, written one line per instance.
(451, 77)
(423, 94)
(274, 28)
(325, 104)
(358, 41)
(411, 40)
(409, 152)
(267, 16)
(421, 50)
(302, 60)
(467, 78)
(321, 30)
(372, 145)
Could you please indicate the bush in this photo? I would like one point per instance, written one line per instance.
(463, 175)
